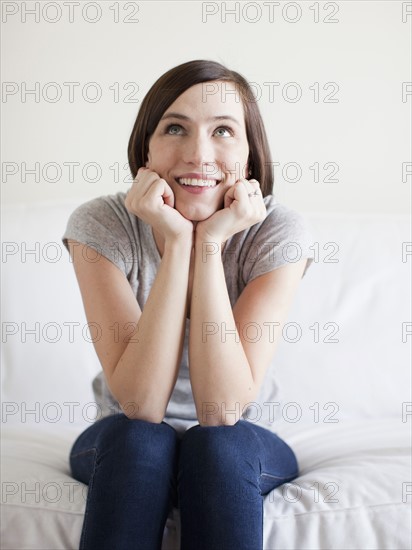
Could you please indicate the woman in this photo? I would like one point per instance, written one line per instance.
(176, 274)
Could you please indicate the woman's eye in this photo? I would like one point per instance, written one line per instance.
(173, 129)
(177, 129)
(224, 129)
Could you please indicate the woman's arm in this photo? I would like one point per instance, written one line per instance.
(140, 352)
(230, 350)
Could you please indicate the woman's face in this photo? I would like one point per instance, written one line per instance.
(202, 135)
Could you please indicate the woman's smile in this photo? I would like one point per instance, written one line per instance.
(195, 181)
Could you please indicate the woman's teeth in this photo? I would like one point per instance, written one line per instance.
(196, 182)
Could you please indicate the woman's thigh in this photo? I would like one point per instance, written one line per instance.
(244, 453)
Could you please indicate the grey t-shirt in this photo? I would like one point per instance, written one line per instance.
(105, 225)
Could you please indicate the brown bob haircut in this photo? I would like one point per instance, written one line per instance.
(176, 81)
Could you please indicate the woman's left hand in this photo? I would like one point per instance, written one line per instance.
(243, 207)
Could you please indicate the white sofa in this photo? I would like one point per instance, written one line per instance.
(342, 368)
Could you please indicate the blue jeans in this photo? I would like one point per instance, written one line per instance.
(216, 475)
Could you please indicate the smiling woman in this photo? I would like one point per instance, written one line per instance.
(207, 241)
(191, 133)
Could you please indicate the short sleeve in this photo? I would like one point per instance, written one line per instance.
(101, 225)
(283, 237)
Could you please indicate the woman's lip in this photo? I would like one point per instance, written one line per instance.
(196, 189)
(198, 176)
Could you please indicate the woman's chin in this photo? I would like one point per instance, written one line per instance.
(195, 214)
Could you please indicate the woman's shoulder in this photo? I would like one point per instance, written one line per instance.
(103, 203)
(278, 209)
(102, 214)
(284, 236)
(104, 224)
(281, 221)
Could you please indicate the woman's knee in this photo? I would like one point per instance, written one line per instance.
(219, 463)
(126, 438)
(221, 445)
(137, 436)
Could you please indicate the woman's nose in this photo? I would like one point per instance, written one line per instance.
(198, 150)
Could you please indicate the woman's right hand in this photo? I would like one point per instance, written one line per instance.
(151, 199)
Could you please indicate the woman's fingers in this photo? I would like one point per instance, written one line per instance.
(243, 207)
(250, 205)
(144, 180)
(152, 200)
(160, 189)
(148, 191)
(229, 196)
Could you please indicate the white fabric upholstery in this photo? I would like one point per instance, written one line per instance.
(344, 406)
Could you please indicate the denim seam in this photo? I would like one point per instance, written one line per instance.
(80, 453)
(291, 476)
(260, 463)
(263, 474)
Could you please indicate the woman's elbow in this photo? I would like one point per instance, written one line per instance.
(135, 412)
(210, 414)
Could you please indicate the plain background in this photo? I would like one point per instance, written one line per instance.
(331, 80)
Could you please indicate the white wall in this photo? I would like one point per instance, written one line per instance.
(364, 54)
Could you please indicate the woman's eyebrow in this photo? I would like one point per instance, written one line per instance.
(184, 117)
